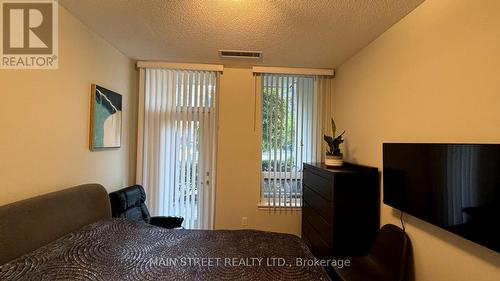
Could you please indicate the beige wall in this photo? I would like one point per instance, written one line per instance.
(433, 77)
(44, 118)
(238, 160)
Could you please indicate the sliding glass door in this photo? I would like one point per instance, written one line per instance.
(177, 140)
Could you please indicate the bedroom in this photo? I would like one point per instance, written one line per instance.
(410, 71)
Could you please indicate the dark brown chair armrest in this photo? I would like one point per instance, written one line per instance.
(167, 222)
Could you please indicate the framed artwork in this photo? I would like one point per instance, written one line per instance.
(106, 118)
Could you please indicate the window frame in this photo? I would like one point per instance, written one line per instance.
(295, 176)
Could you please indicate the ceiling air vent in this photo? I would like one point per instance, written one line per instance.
(240, 54)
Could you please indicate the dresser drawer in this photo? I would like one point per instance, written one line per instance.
(320, 205)
(318, 246)
(323, 227)
(319, 184)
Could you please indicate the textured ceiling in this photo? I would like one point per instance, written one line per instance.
(306, 33)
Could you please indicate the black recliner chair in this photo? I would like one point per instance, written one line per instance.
(388, 259)
(130, 203)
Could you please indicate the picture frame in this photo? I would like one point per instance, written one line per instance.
(105, 119)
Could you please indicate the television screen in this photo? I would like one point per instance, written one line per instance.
(453, 186)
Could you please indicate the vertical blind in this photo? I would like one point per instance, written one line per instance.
(292, 116)
(177, 143)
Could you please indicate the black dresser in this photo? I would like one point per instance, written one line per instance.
(340, 212)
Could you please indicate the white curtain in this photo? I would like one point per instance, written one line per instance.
(294, 110)
(177, 143)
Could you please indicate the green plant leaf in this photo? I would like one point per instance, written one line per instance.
(334, 128)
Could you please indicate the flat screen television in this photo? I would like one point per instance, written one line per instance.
(453, 186)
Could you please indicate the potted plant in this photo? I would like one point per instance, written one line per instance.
(333, 155)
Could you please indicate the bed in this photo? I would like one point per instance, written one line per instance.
(70, 235)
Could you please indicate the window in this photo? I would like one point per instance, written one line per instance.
(291, 126)
(177, 140)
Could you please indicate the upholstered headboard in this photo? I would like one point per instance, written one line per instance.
(29, 224)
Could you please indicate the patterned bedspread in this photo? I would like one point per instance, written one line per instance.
(120, 249)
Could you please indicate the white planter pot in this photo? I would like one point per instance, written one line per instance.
(333, 161)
